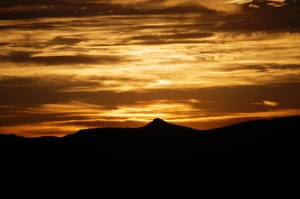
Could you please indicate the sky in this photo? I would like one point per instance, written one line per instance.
(67, 65)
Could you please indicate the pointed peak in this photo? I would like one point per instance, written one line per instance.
(158, 120)
(157, 123)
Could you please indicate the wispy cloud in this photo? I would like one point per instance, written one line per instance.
(270, 103)
(217, 5)
(56, 60)
(267, 103)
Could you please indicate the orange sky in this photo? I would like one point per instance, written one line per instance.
(71, 64)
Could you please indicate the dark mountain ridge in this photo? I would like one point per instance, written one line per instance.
(255, 159)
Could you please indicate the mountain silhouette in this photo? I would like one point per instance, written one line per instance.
(254, 159)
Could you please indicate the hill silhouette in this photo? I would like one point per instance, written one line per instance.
(255, 159)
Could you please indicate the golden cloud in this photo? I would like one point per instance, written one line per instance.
(270, 103)
(217, 5)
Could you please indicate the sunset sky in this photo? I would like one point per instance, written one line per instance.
(73, 64)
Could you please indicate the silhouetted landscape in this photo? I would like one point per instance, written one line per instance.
(255, 159)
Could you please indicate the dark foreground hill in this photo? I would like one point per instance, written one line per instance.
(256, 159)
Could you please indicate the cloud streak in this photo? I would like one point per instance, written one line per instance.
(217, 5)
(31, 58)
(270, 103)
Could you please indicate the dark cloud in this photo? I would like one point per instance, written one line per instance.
(59, 40)
(29, 9)
(270, 20)
(235, 99)
(19, 117)
(28, 57)
(24, 9)
(263, 67)
(89, 124)
(32, 91)
(194, 35)
(54, 89)
(4, 44)
(166, 38)
(272, 3)
(33, 25)
(249, 19)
